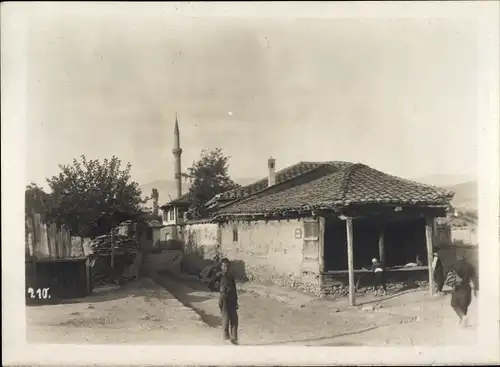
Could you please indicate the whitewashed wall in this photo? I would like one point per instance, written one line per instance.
(202, 238)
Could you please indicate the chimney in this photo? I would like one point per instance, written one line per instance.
(272, 171)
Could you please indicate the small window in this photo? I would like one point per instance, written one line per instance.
(166, 236)
(235, 234)
(311, 230)
(171, 213)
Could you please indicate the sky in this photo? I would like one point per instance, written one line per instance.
(398, 95)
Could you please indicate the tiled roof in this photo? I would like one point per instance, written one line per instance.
(281, 176)
(181, 200)
(154, 223)
(346, 185)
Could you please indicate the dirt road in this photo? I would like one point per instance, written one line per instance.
(146, 313)
(273, 316)
(141, 312)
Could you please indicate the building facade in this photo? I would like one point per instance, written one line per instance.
(317, 225)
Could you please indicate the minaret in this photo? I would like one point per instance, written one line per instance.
(177, 151)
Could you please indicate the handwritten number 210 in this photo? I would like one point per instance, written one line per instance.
(40, 293)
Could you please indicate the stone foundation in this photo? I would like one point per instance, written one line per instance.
(309, 283)
(337, 283)
(332, 284)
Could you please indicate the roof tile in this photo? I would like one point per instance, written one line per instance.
(346, 185)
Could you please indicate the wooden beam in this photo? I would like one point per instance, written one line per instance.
(381, 248)
(430, 254)
(321, 249)
(350, 260)
(370, 210)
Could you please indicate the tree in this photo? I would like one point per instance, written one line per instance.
(36, 200)
(90, 198)
(208, 177)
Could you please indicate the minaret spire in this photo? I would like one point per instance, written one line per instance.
(177, 151)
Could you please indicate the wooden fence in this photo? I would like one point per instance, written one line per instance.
(45, 241)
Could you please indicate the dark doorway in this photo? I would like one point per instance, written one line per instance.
(404, 241)
(365, 237)
(335, 251)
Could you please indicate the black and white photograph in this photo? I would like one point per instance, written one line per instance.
(252, 178)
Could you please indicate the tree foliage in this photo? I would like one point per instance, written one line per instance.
(90, 197)
(208, 177)
(36, 200)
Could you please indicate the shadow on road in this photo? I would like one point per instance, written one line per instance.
(327, 338)
(398, 293)
(183, 293)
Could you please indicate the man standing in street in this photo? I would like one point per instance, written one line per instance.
(228, 301)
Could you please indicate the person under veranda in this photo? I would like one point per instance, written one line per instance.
(228, 301)
(463, 280)
(438, 272)
(379, 276)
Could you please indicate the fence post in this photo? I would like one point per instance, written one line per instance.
(32, 218)
(112, 249)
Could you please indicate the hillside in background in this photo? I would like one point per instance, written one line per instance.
(444, 180)
(465, 188)
(465, 195)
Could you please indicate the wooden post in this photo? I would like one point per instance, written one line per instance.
(112, 248)
(321, 247)
(430, 252)
(381, 248)
(37, 235)
(350, 260)
(35, 274)
(88, 276)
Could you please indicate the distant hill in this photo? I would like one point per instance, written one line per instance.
(465, 195)
(465, 188)
(444, 180)
(248, 180)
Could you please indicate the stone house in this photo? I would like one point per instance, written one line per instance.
(464, 229)
(317, 225)
(173, 217)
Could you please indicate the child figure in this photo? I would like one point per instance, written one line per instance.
(379, 276)
(438, 272)
(228, 301)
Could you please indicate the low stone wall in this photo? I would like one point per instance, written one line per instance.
(338, 283)
(309, 283)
